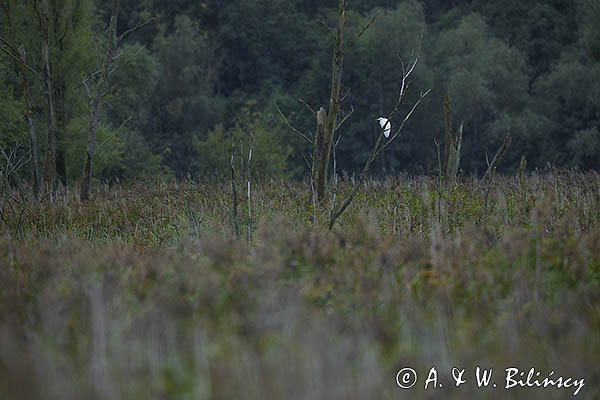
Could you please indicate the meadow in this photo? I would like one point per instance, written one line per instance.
(155, 290)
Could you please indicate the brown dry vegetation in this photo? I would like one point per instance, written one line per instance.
(145, 292)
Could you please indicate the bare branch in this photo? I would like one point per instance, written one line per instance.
(345, 118)
(364, 29)
(296, 131)
(406, 118)
(405, 75)
(301, 100)
(140, 24)
(127, 60)
(343, 97)
(13, 52)
(85, 84)
(9, 53)
(307, 161)
(331, 32)
(115, 132)
(87, 78)
(97, 72)
(498, 157)
(375, 151)
(14, 163)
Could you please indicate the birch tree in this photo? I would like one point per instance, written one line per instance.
(97, 86)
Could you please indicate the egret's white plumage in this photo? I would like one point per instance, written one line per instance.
(386, 125)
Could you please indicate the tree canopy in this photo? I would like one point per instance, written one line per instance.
(192, 77)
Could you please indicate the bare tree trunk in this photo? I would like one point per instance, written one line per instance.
(327, 122)
(318, 144)
(99, 90)
(454, 155)
(334, 102)
(26, 90)
(448, 125)
(50, 160)
(453, 144)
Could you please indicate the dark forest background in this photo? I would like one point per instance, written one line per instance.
(194, 75)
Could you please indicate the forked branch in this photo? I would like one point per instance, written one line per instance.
(498, 157)
(364, 29)
(379, 145)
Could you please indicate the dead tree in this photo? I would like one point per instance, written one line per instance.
(333, 123)
(334, 100)
(453, 144)
(328, 122)
(318, 147)
(381, 143)
(97, 86)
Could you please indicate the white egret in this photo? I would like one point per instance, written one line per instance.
(386, 125)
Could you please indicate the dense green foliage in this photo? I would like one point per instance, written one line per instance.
(145, 291)
(169, 284)
(529, 67)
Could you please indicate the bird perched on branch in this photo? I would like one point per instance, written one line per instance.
(386, 125)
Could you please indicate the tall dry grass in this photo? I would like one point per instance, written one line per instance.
(145, 292)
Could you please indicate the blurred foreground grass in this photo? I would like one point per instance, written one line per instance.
(147, 293)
